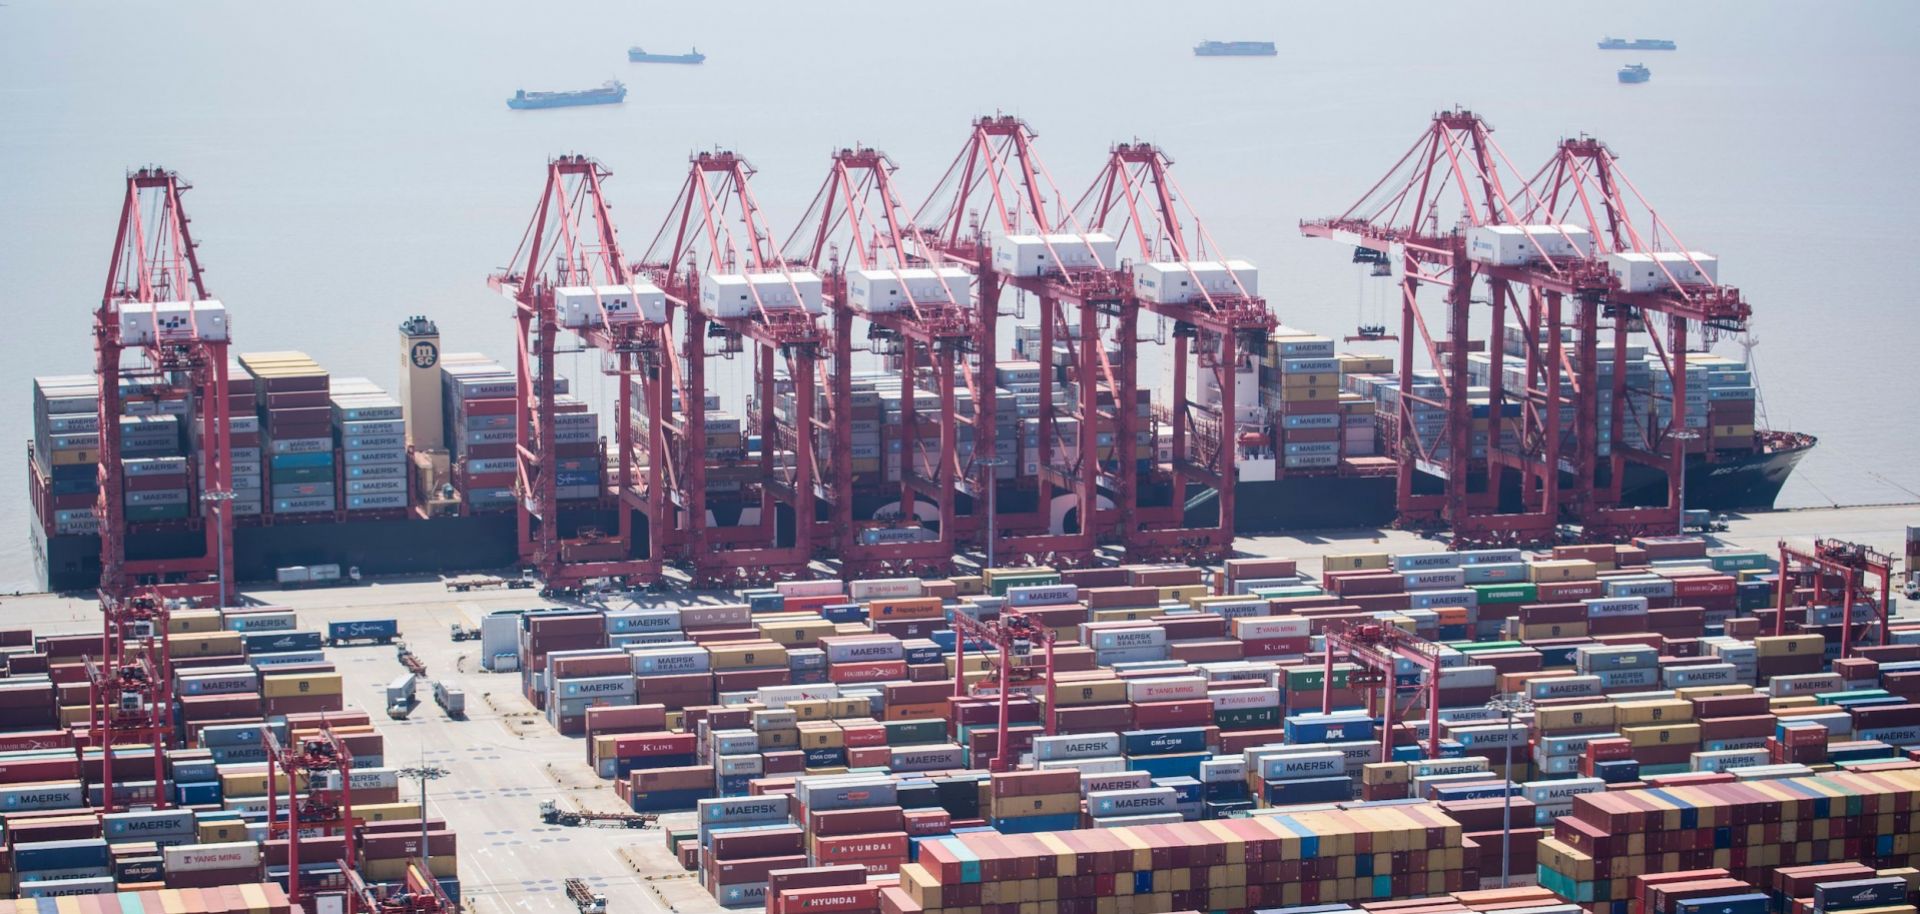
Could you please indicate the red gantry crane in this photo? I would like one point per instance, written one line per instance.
(1217, 315)
(156, 306)
(571, 276)
(1027, 241)
(1378, 649)
(132, 688)
(728, 285)
(418, 893)
(1013, 636)
(319, 797)
(1530, 247)
(921, 313)
(1838, 571)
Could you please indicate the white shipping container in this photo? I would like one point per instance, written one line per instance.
(1234, 699)
(1699, 674)
(885, 588)
(1563, 687)
(1129, 638)
(1549, 793)
(1147, 801)
(1086, 766)
(1805, 684)
(42, 795)
(823, 588)
(187, 858)
(1223, 770)
(1118, 781)
(1075, 746)
(1167, 688)
(864, 650)
(1293, 766)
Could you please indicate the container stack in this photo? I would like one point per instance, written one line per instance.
(1300, 380)
(291, 390)
(153, 456)
(244, 439)
(478, 406)
(577, 447)
(369, 428)
(66, 452)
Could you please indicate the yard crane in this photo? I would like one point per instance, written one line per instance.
(1838, 570)
(1013, 636)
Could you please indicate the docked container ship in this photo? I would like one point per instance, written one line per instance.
(335, 471)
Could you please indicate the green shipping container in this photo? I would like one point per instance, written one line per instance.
(1306, 680)
(1003, 581)
(1472, 647)
(303, 474)
(1735, 562)
(1506, 593)
(916, 732)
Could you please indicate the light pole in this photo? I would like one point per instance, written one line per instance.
(220, 499)
(424, 773)
(992, 463)
(1680, 439)
(1508, 705)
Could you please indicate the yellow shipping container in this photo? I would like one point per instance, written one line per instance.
(1356, 561)
(1183, 592)
(1788, 645)
(1654, 711)
(75, 715)
(788, 738)
(1123, 615)
(1090, 692)
(289, 684)
(813, 709)
(220, 832)
(971, 585)
(977, 663)
(1384, 773)
(1663, 735)
(1590, 716)
(838, 708)
(1711, 691)
(1292, 381)
(193, 622)
(445, 866)
(822, 735)
(386, 812)
(917, 711)
(204, 644)
(800, 632)
(1310, 394)
(1562, 570)
(1544, 630)
(1357, 363)
(746, 655)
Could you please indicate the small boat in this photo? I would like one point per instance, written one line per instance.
(1235, 49)
(613, 92)
(636, 55)
(1635, 73)
(1638, 44)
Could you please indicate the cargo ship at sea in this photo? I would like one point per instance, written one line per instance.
(1637, 44)
(613, 92)
(636, 54)
(1235, 49)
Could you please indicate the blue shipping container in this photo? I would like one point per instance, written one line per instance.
(271, 642)
(1164, 742)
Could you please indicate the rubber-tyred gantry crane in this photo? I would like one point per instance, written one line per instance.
(1013, 635)
(132, 689)
(727, 284)
(319, 797)
(156, 305)
(569, 275)
(1838, 571)
(921, 312)
(1531, 246)
(1217, 313)
(1377, 648)
(1027, 241)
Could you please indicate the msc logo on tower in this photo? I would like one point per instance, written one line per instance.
(426, 354)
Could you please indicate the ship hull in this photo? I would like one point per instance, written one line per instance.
(572, 101)
(1749, 483)
(666, 58)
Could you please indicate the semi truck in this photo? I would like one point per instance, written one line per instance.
(451, 699)
(380, 631)
(585, 898)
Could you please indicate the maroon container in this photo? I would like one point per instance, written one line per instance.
(747, 844)
(1154, 715)
(297, 704)
(688, 777)
(1085, 578)
(35, 739)
(211, 707)
(401, 845)
(1094, 718)
(735, 872)
(812, 877)
(1207, 651)
(1565, 591)
(328, 847)
(748, 680)
(792, 761)
(51, 825)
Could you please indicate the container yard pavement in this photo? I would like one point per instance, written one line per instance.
(505, 758)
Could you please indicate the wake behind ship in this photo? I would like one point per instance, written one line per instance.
(613, 92)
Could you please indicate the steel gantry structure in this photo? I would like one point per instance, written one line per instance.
(726, 283)
(1559, 252)
(1217, 315)
(1013, 635)
(314, 774)
(1379, 649)
(132, 691)
(921, 312)
(569, 274)
(1837, 570)
(1027, 241)
(156, 305)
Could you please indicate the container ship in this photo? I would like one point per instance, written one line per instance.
(1235, 49)
(613, 92)
(335, 471)
(636, 54)
(1637, 44)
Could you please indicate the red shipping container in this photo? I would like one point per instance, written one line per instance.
(748, 680)
(1094, 718)
(862, 736)
(921, 823)
(35, 739)
(1087, 578)
(1275, 647)
(790, 762)
(870, 671)
(859, 848)
(812, 877)
(736, 872)
(749, 843)
(639, 745)
(830, 823)
(1033, 783)
(626, 718)
(206, 707)
(828, 900)
(1160, 714)
(881, 866)
(869, 757)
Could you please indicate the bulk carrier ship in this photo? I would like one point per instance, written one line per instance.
(1321, 464)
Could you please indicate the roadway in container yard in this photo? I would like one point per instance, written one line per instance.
(505, 758)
